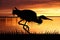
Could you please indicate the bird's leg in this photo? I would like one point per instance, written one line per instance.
(26, 26)
(19, 22)
(26, 29)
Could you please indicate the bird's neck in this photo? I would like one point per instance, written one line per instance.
(39, 21)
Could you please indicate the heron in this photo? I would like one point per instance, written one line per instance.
(28, 16)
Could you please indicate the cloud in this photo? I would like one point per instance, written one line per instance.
(56, 0)
(12, 3)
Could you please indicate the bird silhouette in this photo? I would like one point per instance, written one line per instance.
(29, 16)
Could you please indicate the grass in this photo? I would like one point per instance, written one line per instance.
(31, 36)
(21, 32)
(22, 35)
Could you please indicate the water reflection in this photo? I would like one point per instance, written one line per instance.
(11, 24)
(8, 21)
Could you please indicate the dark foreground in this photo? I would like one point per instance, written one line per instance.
(30, 36)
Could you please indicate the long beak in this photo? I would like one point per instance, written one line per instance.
(45, 18)
(50, 19)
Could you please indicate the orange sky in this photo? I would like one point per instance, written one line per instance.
(41, 7)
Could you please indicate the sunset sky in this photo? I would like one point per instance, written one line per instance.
(41, 7)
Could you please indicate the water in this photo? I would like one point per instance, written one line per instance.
(11, 25)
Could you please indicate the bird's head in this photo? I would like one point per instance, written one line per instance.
(45, 18)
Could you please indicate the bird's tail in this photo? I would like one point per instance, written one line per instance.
(44, 17)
